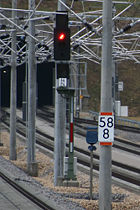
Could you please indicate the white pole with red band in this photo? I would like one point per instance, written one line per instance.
(71, 124)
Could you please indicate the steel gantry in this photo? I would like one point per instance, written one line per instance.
(86, 33)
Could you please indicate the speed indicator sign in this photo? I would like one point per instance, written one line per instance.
(106, 127)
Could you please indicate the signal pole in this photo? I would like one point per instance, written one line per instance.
(60, 125)
(13, 155)
(106, 106)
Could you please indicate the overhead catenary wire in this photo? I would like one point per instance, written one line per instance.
(44, 22)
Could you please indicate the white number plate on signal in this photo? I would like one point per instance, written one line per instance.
(106, 127)
(62, 82)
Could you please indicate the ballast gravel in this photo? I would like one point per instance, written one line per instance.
(68, 197)
(20, 176)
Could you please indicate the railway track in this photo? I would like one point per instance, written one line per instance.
(24, 190)
(126, 175)
(81, 128)
(49, 112)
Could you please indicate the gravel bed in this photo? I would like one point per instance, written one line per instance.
(115, 197)
(37, 187)
(68, 197)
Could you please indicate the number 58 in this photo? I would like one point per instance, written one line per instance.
(106, 122)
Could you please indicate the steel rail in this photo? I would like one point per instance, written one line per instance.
(23, 190)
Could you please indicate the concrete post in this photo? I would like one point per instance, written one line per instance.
(31, 162)
(60, 124)
(106, 106)
(13, 90)
(59, 149)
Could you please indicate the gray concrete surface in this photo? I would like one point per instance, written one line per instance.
(13, 200)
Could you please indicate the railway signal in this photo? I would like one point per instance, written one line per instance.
(62, 38)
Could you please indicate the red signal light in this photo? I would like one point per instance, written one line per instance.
(61, 36)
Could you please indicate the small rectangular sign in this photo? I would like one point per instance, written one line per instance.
(106, 127)
(120, 86)
(62, 82)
